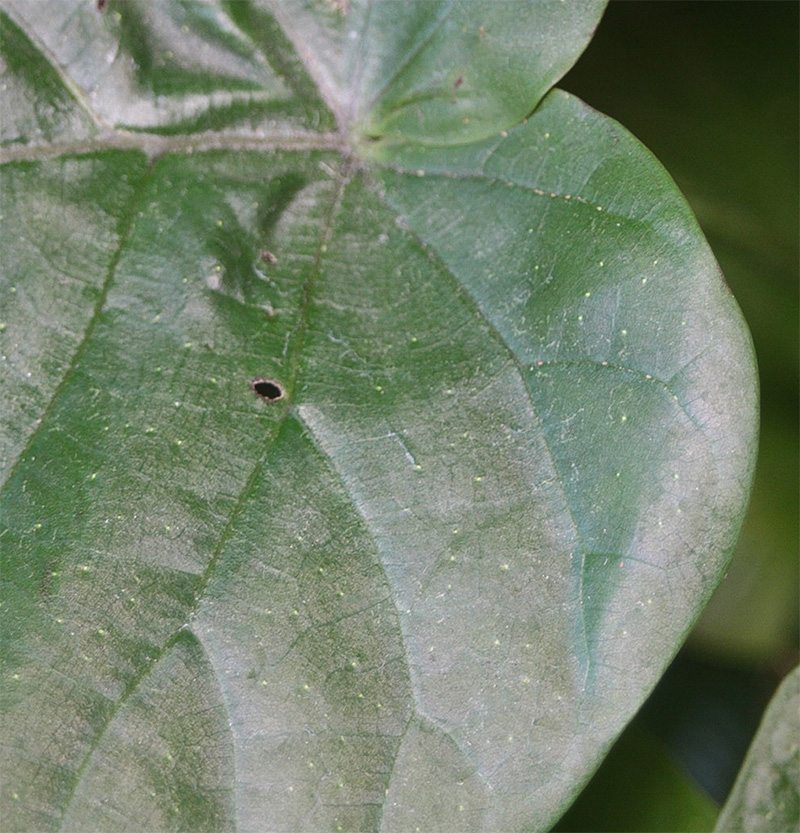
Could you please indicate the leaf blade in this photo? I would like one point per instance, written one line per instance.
(394, 556)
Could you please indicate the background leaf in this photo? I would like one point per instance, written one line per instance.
(506, 473)
(766, 795)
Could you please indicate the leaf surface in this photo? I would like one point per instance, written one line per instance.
(503, 459)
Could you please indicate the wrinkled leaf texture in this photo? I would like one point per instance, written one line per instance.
(428, 586)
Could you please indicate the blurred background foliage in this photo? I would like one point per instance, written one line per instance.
(712, 89)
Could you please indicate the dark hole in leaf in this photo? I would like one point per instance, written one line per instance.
(267, 389)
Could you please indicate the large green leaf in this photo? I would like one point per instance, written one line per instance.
(427, 585)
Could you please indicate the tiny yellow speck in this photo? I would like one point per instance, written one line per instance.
(150, 430)
(624, 332)
(417, 467)
(504, 567)
(360, 696)
(178, 442)
(219, 222)
(306, 687)
(323, 247)
(263, 682)
(580, 318)
(378, 388)
(15, 676)
(93, 476)
(497, 642)
(623, 418)
(452, 558)
(602, 263)
(478, 479)
(644, 281)
(587, 294)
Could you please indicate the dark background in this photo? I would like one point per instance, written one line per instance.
(712, 89)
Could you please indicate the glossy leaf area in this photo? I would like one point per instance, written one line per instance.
(429, 584)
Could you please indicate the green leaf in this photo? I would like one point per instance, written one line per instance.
(506, 441)
(766, 795)
(684, 81)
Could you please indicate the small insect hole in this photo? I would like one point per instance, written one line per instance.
(267, 389)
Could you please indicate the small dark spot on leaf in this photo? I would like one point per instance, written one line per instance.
(267, 389)
(459, 81)
(101, 5)
(267, 256)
